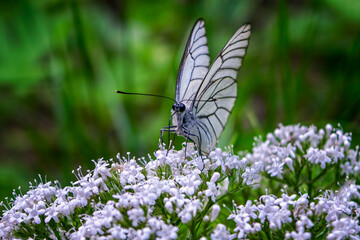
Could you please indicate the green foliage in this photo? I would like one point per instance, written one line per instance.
(62, 60)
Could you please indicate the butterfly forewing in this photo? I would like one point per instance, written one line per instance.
(194, 65)
(216, 95)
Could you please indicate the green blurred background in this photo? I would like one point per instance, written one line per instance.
(60, 62)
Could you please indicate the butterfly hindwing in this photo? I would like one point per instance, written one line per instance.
(216, 95)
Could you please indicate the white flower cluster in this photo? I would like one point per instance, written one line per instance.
(320, 147)
(132, 204)
(106, 218)
(46, 201)
(338, 210)
(177, 195)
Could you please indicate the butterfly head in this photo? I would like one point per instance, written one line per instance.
(178, 107)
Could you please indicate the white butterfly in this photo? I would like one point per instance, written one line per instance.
(204, 96)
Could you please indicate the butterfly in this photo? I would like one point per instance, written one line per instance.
(205, 95)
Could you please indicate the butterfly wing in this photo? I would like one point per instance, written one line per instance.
(216, 95)
(193, 66)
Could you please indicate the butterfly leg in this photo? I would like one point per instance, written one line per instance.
(198, 145)
(173, 140)
(187, 132)
(169, 129)
(186, 143)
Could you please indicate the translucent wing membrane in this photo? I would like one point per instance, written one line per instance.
(216, 95)
(194, 65)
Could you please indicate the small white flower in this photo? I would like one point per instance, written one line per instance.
(221, 233)
(215, 209)
(350, 190)
(251, 174)
(275, 169)
(215, 177)
(189, 183)
(285, 200)
(280, 217)
(312, 136)
(344, 228)
(318, 156)
(242, 225)
(347, 168)
(118, 232)
(136, 215)
(51, 213)
(141, 234)
(328, 129)
(268, 209)
(298, 235)
(164, 231)
(190, 210)
(289, 162)
(34, 213)
(304, 222)
(248, 209)
(102, 169)
(213, 189)
(335, 153)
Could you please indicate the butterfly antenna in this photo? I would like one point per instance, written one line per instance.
(145, 94)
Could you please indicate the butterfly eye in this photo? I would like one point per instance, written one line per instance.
(178, 107)
(182, 107)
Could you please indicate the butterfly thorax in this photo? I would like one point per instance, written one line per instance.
(183, 119)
